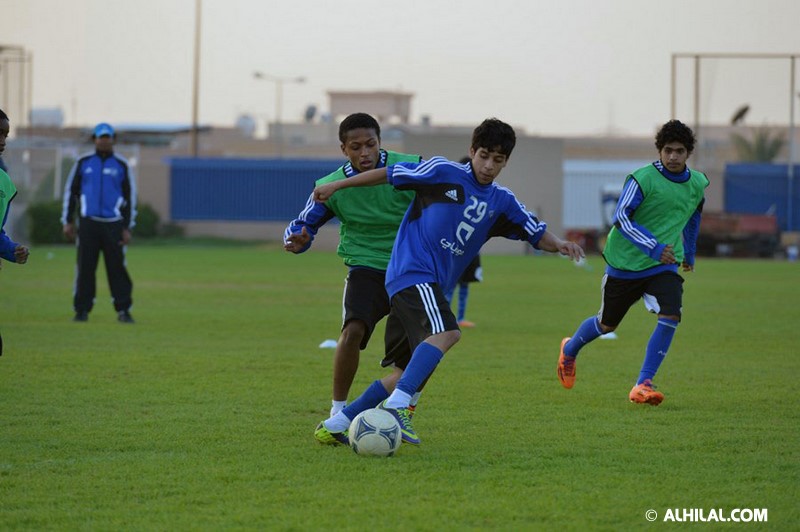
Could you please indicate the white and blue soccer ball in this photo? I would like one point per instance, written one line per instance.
(375, 432)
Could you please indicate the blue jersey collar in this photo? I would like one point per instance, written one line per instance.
(677, 178)
(349, 171)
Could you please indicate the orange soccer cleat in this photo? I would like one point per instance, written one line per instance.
(566, 367)
(645, 393)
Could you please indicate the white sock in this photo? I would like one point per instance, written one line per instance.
(398, 399)
(337, 422)
(337, 406)
(414, 399)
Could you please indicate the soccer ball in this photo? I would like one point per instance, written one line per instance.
(374, 432)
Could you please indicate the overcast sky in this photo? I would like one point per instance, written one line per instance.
(558, 67)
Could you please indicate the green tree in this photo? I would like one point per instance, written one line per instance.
(764, 146)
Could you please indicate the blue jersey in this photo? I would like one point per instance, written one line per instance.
(451, 217)
(103, 186)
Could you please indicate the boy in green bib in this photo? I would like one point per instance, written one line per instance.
(9, 250)
(655, 231)
(369, 219)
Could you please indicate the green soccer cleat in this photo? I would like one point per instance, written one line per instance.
(326, 437)
(403, 417)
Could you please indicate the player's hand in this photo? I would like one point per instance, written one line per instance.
(21, 254)
(572, 250)
(668, 255)
(297, 241)
(126, 237)
(69, 231)
(685, 266)
(324, 192)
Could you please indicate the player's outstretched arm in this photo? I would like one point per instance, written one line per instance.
(550, 242)
(369, 178)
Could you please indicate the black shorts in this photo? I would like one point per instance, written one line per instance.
(398, 349)
(662, 294)
(365, 299)
(422, 310)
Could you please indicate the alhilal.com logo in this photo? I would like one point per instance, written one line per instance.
(713, 515)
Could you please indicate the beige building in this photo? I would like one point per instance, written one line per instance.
(535, 171)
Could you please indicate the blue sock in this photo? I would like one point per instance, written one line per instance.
(371, 397)
(463, 294)
(588, 331)
(657, 348)
(423, 361)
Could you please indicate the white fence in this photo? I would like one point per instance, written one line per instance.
(31, 162)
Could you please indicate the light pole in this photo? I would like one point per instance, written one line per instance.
(278, 101)
(198, 9)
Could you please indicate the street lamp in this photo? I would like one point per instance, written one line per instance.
(278, 100)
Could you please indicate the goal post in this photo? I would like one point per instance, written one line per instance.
(738, 73)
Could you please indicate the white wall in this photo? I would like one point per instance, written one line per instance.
(584, 182)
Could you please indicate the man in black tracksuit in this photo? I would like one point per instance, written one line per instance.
(102, 187)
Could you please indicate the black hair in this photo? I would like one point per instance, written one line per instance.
(675, 131)
(4, 116)
(494, 135)
(358, 121)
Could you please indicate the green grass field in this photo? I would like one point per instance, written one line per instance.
(200, 416)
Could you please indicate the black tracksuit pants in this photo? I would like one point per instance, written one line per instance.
(106, 237)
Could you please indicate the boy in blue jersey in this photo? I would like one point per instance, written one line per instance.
(655, 230)
(456, 209)
(369, 219)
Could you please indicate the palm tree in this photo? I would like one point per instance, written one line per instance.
(763, 148)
